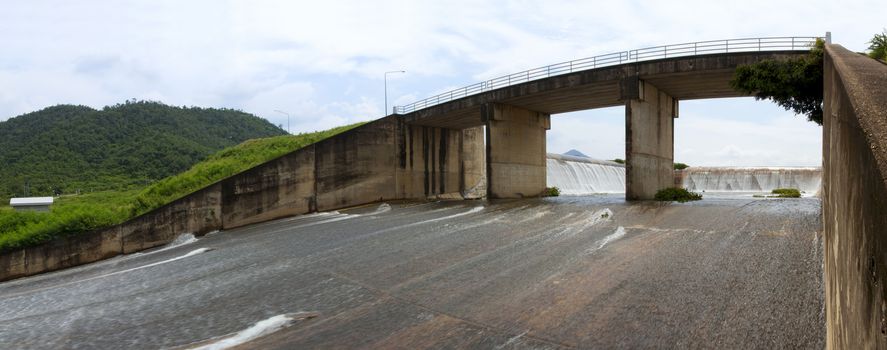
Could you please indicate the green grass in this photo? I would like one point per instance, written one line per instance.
(677, 194)
(228, 162)
(551, 192)
(77, 214)
(787, 193)
(69, 215)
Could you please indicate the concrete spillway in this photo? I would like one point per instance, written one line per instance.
(580, 175)
(558, 273)
(750, 179)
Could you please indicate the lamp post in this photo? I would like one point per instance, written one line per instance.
(386, 87)
(287, 119)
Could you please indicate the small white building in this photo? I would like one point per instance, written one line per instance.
(31, 203)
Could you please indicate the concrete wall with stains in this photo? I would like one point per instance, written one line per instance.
(854, 200)
(383, 160)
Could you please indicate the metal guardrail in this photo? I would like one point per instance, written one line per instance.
(617, 58)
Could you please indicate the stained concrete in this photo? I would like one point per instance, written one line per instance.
(437, 162)
(854, 196)
(649, 141)
(515, 151)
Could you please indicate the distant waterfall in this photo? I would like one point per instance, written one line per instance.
(579, 175)
(744, 179)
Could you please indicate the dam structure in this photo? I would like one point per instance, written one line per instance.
(751, 179)
(582, 175)
(515, 110)
(343, 243)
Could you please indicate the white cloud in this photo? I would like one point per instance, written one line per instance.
(261, 55)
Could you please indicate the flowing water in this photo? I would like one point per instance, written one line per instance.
(748, 179)
(580, 176)
(583, 176)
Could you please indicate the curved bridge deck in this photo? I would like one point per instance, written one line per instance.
(684, 72)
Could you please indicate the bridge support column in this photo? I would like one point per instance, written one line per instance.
(515, 151)
(649, 139)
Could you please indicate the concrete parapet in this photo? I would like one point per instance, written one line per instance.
(854, 198)
(515, 151)
(279, 188)
(649, 141)
(197, 213)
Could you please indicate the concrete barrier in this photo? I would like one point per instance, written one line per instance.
(381, 160)
(854, 198)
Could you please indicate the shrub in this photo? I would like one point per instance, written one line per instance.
(680, 166)
(787, 193)
(878, 46)
(552, 192)
(618, 160)
(677, 194)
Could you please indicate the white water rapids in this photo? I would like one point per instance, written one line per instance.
(582, 176)
(748, 179)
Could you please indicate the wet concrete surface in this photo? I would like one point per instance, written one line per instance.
(568, 272)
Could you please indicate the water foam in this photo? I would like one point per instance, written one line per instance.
(580, 178)
(383, 208)
(620, 232)
(260, 329)
(182, 239)
(748, 179)
(189, 254)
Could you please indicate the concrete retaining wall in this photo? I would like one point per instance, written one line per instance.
(382, 160)
(854, 198)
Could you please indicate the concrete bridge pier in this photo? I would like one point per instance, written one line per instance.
(649, 139)
(434, 162)
(515, 150)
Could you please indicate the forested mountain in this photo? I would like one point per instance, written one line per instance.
(68, 147)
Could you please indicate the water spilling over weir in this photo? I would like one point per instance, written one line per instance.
(751, 179)
(580, 175)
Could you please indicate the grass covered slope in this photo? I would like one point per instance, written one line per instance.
(70, 215)
(67, 147)
(226, 163)
(79, 214)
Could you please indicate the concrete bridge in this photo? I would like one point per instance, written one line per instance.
(516, 109)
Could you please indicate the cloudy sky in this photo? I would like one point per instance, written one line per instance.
(323, 61)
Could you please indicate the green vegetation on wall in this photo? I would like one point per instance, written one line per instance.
(65, 148)
(794, 84)
(78, 214)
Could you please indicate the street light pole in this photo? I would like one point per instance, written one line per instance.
(386, 87)
(287, 119)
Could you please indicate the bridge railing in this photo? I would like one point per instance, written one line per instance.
(617, 58)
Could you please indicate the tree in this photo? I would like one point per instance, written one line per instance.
(878, 46)
(794, 84)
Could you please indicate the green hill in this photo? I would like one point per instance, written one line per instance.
(76, 214)
(70, 148)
